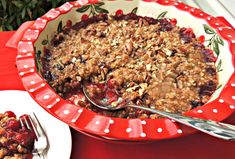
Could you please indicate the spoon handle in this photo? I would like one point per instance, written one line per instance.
(213, 128)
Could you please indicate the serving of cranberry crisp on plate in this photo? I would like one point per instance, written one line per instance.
(16, 142)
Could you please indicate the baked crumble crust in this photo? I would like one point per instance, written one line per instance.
(149, 62)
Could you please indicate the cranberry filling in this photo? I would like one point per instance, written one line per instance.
(207, 89)
(18, 140)
(166, 25)
(209, 55)
(12, 124)
(10, 114)
(186, 34)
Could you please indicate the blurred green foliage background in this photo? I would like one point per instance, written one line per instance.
(14, 12)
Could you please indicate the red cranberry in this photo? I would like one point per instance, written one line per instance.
(10, 114)
(56, 41)
(151, 20)
(22, 138)
(198, 45)
(10, 133)
(93, 1)
(25, 117)
(209, 55)
(207, 89)
(132, 16)
(47, 53)
(12, 124)
(69, 23)
(12, 147)
(188, 31)
(85, 17)
(111, 96)
(111, 83)
(202, 38)
(173, 21)
(211, 71)
(100, 86)
(186, 34)
(165, 25)
(28, 156)
(119, 12)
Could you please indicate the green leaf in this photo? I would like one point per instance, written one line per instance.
(44, 42)
(99, 4)
(134, 10)
(208, 30)
(38, 55)
(9, 27)
(219, 86)
(4, 4)
(60, 27)
(34, 3)
(18, 4)
(29, 13)
(23, 13)
(101, 10)
(220, 40)
(162, 15)
(83, 9)
(216, 48)
(218, 68)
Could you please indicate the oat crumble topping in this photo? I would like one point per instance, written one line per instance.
(148, 62)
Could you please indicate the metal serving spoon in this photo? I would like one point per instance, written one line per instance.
(213, 128)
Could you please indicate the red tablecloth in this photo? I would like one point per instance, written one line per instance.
(197, 146)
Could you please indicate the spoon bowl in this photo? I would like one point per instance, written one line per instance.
(213, 128)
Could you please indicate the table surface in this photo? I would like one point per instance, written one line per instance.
(194, 146)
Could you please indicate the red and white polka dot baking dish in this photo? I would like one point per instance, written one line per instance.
(35, 38)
